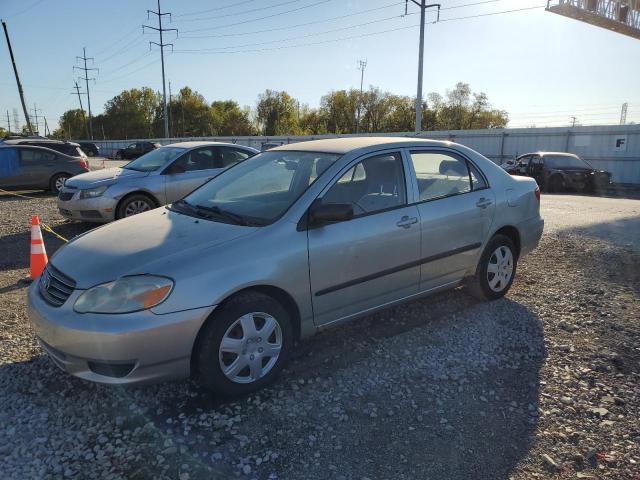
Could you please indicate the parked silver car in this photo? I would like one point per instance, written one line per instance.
(161, 176)
(293, 240)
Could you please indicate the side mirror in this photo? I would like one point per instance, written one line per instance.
(321, 213)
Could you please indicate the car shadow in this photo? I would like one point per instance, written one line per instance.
(15, 247)
(445, 385)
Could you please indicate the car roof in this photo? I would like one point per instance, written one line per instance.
(560, 154)
(204, 144)
(17, 141)
(349, 144)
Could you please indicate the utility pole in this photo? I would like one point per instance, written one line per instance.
(47, 132)
(362, 64)
(86, 79)
(423, 8)
(36, 116)
(15, 71)
(8, 123)
(84, 118)
(170, 111)
(16, 120)
(573, 121)
(623, 113)
(160, 30)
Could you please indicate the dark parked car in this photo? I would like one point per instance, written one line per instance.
(30, 166)
(135, 150)
(555, 172)
(70, 149)
(90, 148)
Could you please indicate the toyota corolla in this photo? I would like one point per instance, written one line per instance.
(222, 283)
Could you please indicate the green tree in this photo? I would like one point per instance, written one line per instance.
(277, 113)
(190, 113)
(312, 121)
(72, 124)
(132, 114)
(229, 119)
(339, 109)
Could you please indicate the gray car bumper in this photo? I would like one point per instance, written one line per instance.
(530, 234)
(135, 348)
(101, 209)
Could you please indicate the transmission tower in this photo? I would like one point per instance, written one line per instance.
(36, 116)
(86, 78)
(77, 92)
(623, 113)
(362, 64)
(160, 30)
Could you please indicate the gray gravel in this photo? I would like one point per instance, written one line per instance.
(542, 383)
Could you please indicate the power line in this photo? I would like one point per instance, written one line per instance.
(124, 48)
(199, 12)
(479, 15)
(86, 78)
(260, 18)
(113, 79)
(35, 4)
(288, 27)
(268, 7)
(161, 30)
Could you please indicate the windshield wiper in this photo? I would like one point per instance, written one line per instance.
(234, 217)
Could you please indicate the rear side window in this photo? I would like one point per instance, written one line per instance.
(441, 175)
(231, 156)
(32, 157)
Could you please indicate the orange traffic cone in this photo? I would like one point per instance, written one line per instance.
(38, 253)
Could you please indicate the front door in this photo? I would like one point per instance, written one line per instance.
(456, 209)
(370, 260)
(189, 171)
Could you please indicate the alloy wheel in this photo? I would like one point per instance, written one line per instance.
(59, 183)
(500, 268)
(135, 207)
(250, 347)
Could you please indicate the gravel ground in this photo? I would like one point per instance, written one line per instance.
(540, 384)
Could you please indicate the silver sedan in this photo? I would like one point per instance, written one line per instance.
(159, 177)
(296, 239)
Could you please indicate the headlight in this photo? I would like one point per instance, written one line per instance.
(93, 192)
(125, 295)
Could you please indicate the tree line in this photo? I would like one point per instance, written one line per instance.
(137, 113)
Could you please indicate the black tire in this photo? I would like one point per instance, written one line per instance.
(55, 181)
(118, 156)
(556, 184)
(90, 154)
(479, 285)
(207, 355)
(127, 203)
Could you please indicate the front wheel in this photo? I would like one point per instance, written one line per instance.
(244, 345)
(496, 269)
(134, 205)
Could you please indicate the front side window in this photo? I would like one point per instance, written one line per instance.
(155, 159)
(200, 159)
(373, 185)
(441, 175)
(231, 156)
(259, 189)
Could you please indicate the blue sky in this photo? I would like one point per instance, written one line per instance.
(540, 67)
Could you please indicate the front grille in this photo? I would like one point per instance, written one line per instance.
(55, 287)
(90, 214)
(65, 196)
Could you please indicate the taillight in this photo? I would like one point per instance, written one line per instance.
(538, 193)
(84, 164)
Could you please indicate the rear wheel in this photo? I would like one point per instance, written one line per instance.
(57, 182)
(496, 269)
(135, 204)
(244, 345)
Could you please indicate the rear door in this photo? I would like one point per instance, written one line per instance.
(190, 171)
(456, 209)
(12, 173)
(372, 259)
(39, 164)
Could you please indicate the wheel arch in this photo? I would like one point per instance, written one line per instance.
(277, 293)
(55, 174)
(511, 232)
(138, 192)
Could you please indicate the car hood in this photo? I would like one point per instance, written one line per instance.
(156, 242)
(107, 176)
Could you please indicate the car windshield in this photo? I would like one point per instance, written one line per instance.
(259, 190)
(565, 162)
(155, 159)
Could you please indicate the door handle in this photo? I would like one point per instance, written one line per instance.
(483, 203)
(406, 222)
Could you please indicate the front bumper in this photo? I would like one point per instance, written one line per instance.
(100, 209)
(134, 348)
